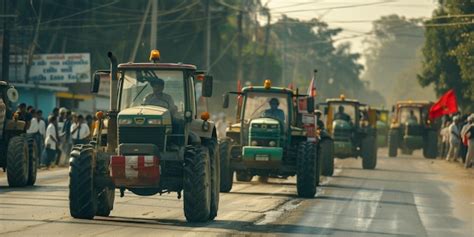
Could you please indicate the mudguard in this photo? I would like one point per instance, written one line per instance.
(203, 129)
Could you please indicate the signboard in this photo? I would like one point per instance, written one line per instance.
(302, 104)
(61, 68)
(309, 123)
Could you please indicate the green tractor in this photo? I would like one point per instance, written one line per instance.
(154, 142)
(19, 155)
(383, 125)
(352, 125)
(411, 129)
(270, 140)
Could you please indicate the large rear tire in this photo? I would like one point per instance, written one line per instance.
(430, 148)
(243, 176)
(327, 155)
(33, 160)
(369, 153)
(197, 184)
(227, 174)
(18, 162)
(82, 193)
(393, 143)
(306, 171)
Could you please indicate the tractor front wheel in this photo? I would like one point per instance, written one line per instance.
(327, 155)
(227, 174)
(82, 193)
(306, 180)
(18, 162)
(33, 160)
(212, 147)
(392, 143)
(197, 184)
(430, 148)
(369, 153)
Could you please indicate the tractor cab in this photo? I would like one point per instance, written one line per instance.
(412, 129)
(352, 125)
(382, 125)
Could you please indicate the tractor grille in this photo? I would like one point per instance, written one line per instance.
(150, 135)
(342, 134)
(413, 130)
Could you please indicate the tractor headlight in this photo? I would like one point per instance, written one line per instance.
(254, 143)
(125, 121)
(154, 121)
(272, 143)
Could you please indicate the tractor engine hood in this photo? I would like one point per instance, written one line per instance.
(147, 115)
(264, 132)
(341, 125)
(268, 125)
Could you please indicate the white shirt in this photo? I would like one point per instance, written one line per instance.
(83, 131)
(42, 127)
(454, 136)
(50, 132)
(34, 126)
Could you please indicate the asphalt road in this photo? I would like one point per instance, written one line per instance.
(406, 196)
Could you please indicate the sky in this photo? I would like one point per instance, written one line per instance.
(353, 16)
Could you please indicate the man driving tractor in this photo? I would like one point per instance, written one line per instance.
(159, 98)
(274, 111)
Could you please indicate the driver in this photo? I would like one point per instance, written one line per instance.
(274, 111)
(412, 117)
(159, 98)
(342, 115)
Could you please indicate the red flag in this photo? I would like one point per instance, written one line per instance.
(239, 89)
(447, 104)
(312, 88)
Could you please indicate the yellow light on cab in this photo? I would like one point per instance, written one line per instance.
(155, 55)
(267, 84)
(205, 116)
(342, 97)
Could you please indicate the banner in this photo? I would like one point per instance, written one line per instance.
(60, 68)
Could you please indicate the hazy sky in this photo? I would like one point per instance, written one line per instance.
(354, 16)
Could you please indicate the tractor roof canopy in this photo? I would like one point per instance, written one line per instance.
(414, 103)
(176, 66)
(268, 90)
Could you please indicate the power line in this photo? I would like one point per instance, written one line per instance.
(337, 7)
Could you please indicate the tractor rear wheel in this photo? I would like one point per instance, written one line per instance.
(82, 193)
(197, 184)
(430, 148)
(369, 153)
(18, 162)
(392, 143)
(243, 176)
(306, 180)
(227, 174)
(33, 160)
(327, 155)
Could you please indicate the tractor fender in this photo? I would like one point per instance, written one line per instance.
(203, 129)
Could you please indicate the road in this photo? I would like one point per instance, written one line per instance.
(405, 196)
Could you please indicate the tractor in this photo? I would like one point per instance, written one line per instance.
(19, 155)
(383, 125)
(352, 126)
(270, 140)
(154, 141)
(411, 129)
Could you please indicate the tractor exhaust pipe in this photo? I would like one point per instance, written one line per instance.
(113, 110)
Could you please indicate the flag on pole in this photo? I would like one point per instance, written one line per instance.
(446, 105)
(312, 88)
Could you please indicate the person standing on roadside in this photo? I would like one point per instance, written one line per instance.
(51, 142)
(42, 124)
(470, 142)
(34, 130)
(80, 131)
(454, 140)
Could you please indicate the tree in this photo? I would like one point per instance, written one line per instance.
(448, 51)
(393, 57)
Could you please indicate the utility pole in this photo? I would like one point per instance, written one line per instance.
(266, 42)
(285, 45)
(207, 41)
(240, 44)
(6, 43)
(154, 22)
(140, 33)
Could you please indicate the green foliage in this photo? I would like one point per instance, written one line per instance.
(448, 62)
(393, 59)
(294, 47)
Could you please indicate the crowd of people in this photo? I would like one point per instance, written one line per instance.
(56, 135)
(457, 139)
